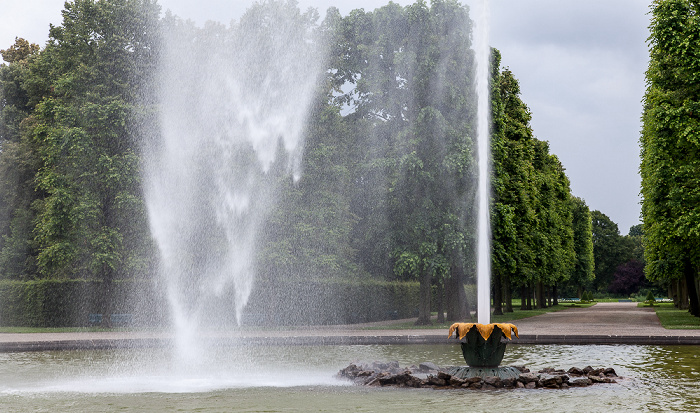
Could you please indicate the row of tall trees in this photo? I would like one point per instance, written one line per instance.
(670, 142)
(542, 234)
(388, 184)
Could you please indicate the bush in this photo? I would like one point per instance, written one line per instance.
(60, 303)
(650, 298)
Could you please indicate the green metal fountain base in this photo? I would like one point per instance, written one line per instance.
(483, 372)
(482, 353)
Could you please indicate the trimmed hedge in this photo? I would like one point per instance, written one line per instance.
(69, 303)
(57, 303)
(332, 302)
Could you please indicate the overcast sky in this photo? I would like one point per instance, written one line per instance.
(580, 64)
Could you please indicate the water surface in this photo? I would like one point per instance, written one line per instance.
(302, 378)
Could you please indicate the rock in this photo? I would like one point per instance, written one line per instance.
(350, 371)
(527, 378)
(610, 372)
(493, 381)
(595, 372)
(575, 371)
(580, 382)
(444, 376)
(600, 379)
(510, 382)
(391, 374)
(428, 367)
(456, 382)
(390, 366)
(435, 381)
(552, 382)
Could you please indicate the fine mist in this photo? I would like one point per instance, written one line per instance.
(233, 106)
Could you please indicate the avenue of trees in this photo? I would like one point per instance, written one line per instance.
(670, 143)
(388, 185)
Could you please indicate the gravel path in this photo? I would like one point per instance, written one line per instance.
(603, 323)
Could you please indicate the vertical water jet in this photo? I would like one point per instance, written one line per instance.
(483, 55)
(233, 106)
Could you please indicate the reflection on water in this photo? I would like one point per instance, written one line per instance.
(301, 378)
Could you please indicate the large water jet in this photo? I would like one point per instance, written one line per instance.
(483, 56)
(234, 103)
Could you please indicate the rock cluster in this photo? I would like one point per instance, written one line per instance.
(431, 376)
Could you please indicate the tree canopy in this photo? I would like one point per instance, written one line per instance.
(388, 178)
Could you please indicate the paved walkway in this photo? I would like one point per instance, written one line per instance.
(604, 323)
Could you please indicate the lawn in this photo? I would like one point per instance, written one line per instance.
(517, 314)
(673, 318)
(57, 329)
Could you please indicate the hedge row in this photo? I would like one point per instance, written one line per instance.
(69, 303)
(333, 302)
(57, 303)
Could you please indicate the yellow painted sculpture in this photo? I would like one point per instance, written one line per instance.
(484, 329)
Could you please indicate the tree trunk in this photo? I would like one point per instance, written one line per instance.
(673, 292)
(682, 294)
(424, 305)
(106, 298)
(540, 295)
(555, 295)
(507, 294)
(523, 297)
(456, 297)
(529, 296)
(497, 294)
(689, 275)
(441, 302)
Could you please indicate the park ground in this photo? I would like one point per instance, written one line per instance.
(602, 323)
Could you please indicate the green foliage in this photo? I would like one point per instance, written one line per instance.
(534, 235)
(650, 298)
(49, 303)
(388, 162)
(670, 144)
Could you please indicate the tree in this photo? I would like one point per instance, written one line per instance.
(628, 278)
(18, 164)
(608, 249)
(412, 103)
(583, 273)
(670, 144)
(91, 218)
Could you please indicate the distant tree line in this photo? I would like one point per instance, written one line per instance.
(389, 171)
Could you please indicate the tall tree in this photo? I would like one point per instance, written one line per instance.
(583, 272)
(670, 144)
(18, 164)
(91, 220)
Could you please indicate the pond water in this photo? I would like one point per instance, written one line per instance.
(301, 379)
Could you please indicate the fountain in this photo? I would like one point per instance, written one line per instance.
(483, 349)
(485, 345)
(236, 117)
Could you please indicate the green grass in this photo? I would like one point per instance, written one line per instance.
(517, 314)
(674, 319)
(23, 330)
